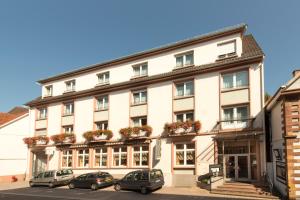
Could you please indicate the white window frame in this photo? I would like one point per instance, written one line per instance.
(184, 88)
(86, 153)
(49, 90)
(140, 152)
(69, 156)
(139, 119)
(185, 150)
(119, 153)
(42, 113)
(184, 115)
(105, 77)
(237, 123)
(234, 81)
(183, 55)
(140, 97)
(227, 54)
(140, 69)
(102, 103)
(68, 129)
(102, 124)
(101, 155)
(70, 85)
(66, 112)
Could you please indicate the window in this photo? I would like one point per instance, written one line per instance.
(140, 70)
(120, 156)
(42, 113)
(280, 171)
(49, 174)
(184, 89)
(83, 158)
(140, 156)
(139, 97)
(139, 121)
(182, 117)
(103, 78)
(66, 158)
(226, 49)
(185, 60)
(235, 117)
(70, 86)
(101, 157)
(235, 80)
(68, 129)
(102, 103)
(49, 90)
(185, 154)
(102, 125)
(69, 109)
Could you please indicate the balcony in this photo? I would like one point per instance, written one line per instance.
(36, 141)
(230, 125)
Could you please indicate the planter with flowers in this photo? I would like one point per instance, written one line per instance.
(182, 128)
(36, 141)
(136, 132)
(98, 135)
(63, 138)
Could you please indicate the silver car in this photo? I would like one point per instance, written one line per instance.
(52, 178)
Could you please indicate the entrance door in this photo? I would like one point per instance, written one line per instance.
(236, 167)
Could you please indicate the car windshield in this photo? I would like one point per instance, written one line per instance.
(155, 174)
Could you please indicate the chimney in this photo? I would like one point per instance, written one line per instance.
(296, 72)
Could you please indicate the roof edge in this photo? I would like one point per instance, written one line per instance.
(14, 120)
(239, 28)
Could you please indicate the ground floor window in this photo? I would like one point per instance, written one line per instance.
(83, 158)
(280, 171)
(140, 156)
(119, 156)
(185, 154)
(67, 158)
(101, 157)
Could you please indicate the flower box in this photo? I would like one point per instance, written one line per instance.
(63, 138)
(98, 135)
(36, 141)
(136, 132)
(181, 128)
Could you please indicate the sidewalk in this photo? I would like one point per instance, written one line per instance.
(13, 185)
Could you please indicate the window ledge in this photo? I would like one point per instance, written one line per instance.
(99, 110)
(183, 97)
(41, 119)
(183, 67)
(184, 167)
(67, 115)
(227, 57)
(69, 91)
(138, 104)
(102, 84)
(47, 96)
(234, 89)
(137, 77)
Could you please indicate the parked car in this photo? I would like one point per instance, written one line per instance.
(52, 178)
(93, 180)
(142, 180)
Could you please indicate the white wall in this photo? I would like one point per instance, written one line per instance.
(13, 151)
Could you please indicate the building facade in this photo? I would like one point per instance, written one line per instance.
(14, 126)
(283, 136)
(179, 107)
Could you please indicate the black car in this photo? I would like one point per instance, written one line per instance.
(93, 180)
(142, 180)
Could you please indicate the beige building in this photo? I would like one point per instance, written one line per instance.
(179, 107)
(283, 137)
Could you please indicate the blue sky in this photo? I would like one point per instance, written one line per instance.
(43, 38)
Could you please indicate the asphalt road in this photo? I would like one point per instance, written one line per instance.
(60, 193)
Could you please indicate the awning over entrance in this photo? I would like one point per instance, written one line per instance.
(237, 135)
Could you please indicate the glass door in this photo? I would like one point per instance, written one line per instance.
(236, 168)
(242, 167)
(230, 167)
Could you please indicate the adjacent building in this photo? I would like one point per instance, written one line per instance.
(283, 138)
(14, 126)
(179, 107)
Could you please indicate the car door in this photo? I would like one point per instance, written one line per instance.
(126, 182)
(79, 181)
(137, 181)
(38, 178)
(90, 179)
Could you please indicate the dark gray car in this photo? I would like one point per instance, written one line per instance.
(52, 178)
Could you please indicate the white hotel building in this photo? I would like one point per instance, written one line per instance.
(215, 79)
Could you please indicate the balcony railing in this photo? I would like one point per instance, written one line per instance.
(234, 124)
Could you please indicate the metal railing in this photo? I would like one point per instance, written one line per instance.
(234, 124)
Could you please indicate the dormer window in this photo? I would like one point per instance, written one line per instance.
(70, 86)
(42, 113)
(140, 70)
(49, 90)
(103, 78)
(184, 60)
(226, 49)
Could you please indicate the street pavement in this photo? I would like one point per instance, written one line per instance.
(166, 193)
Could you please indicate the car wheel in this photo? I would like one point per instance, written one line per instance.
(31, 184)
(71, 186)
(144, 190)
(117, 187)
(51, 185)
(94, 187)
